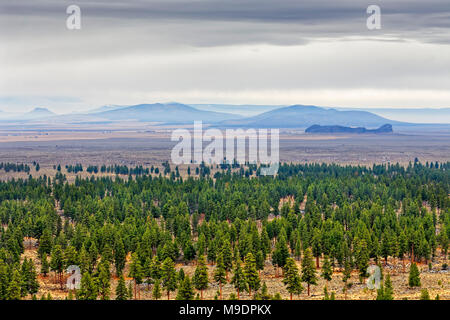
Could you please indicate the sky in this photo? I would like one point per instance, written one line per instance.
(279, 52)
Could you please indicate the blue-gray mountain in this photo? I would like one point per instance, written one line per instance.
(37, 113)
(299, 116)
(165, 112)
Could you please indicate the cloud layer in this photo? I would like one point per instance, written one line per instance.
(233, 51)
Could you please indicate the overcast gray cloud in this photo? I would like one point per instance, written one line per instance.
(234, 51)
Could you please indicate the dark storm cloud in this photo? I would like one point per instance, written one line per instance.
(427, 21)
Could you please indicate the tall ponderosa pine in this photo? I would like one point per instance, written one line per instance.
(362, 258)
(251, 273)
(327, 271)
(220, 273)
(316, 244)
(281, 253)
(201, 275)
(292, 278)
(104, 282)
(136, 273)
(45, 266)
(57, 262)
(308, 269)
(121, 289)
(238, 279)
(227, 257)
(119, 256)
(45, 242)
(30, 285)
(14, 287)
(169, 276)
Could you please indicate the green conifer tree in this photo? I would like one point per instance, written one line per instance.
(251, 273)
(201, 276)
(220, 273)
(308, 269)
(414, 276)
(121, 289)
(169, 276)
(238, 279)
(186, 291)
(292, 278)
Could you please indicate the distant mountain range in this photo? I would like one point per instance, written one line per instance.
(387, 128)
(167, 113)
(244, 116)
(300, 116)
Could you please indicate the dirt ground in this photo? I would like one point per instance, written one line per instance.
(154, 146)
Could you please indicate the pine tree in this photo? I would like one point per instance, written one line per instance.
(327, 271)
(83, 258)
(385, 247)
(45, 242)
(316, 244)
(251, 273)
(424, 295)
(385, 292)
(308, 269)
(201, 275)
(169, 276)
(45, 266)
(104, 283)
(238, 279)
(88, 289)
(57, 262)
(402, 247)
(155, 268)
(135, 272)
(259, 260)
(121, 289)
(414, 276)
(281, 252)
(186, 291)
(156, 290)
(227, 257)
(70, 256)
(362, 259)
(220, 273)
(29, 278)
(346, 274)
(119, 256)
(13, 291)
(107, 253)
(93, 256)
(292, 278)
(388, 288)
(265, 292)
